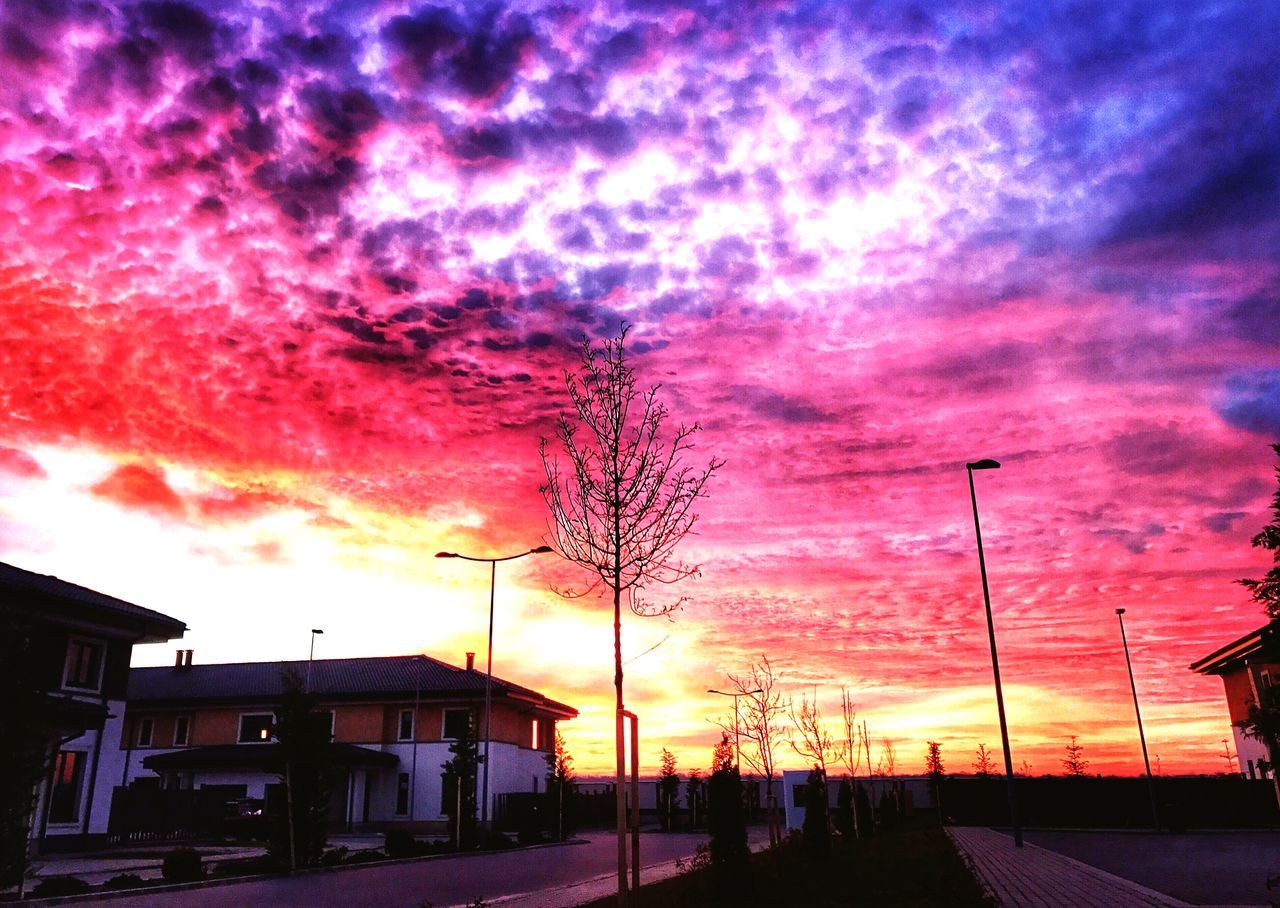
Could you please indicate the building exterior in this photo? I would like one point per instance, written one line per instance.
(393, 719)
(1248, 667)
(78, 644)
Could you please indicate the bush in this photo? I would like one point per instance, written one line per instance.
(817, 836)
(366, 857)
(334, 856)
(124, 881)
(399, 843)
(497, 841)
(265, 863)
(60, 885)
(182, 865)
(527, 836)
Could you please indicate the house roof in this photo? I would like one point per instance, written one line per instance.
(1262, 644)
(82, 602)
(382, 677)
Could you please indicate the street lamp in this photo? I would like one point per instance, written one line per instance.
(312, 655)
(488, 674)
(989, 464)
(1151, 785)
(737, 749)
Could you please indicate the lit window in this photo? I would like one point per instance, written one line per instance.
(84, 664)
(533, 738)
(255, 728)
(64, 797)
(181, 731)
(146, 727)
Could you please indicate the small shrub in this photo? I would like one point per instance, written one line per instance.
(367, 856)
(264, 863)
(496, 841)
(334, 856)
(399, 843)
(60, 885)
(124, 881)
(182, 865)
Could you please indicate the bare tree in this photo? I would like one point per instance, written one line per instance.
(851, 749)
(887, 765)
(624, 500)
(985, 764)
(758, 722)
(812, 740)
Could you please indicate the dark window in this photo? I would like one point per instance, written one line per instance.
(406, 725)
(797, 799)
(146, 727)
(255, 728)
(181, 731)
(64, 798)
(456, 722)
(84, 664)
(402, 794)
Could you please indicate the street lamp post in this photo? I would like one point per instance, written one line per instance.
(1151, 785)
(312, 655)
(488, 674)
(989, 464)
(737, 748)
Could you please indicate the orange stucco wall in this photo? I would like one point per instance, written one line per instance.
(1240, 692)
(354, 723)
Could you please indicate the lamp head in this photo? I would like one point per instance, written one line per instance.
(1119, 611)
(541, 550)
(987, 464)
(316, 630)
(446, 554)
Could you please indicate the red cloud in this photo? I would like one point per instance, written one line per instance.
(20, 463)
(143, 488)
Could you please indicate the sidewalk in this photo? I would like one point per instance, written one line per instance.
(1033, 877)
(145, 862)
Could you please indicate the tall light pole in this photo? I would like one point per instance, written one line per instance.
(1151, 785)
(989, 464)
(312, 655)
(488, 672)
(737, 749)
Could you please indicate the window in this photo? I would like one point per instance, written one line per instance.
(402, 794)
(405, 730)
(64, 798)
(533, 738)
(181, 731)
(84, 664)
(255, 728)
(456, 723)
(798, 795)
(146, 728)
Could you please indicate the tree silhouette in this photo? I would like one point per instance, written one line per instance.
(984, 765)
(1267, 590)
(934, 768)
(726, 825)
(560, 776)
(1262, 723)
(760, 715)
(851, 753)
(812, 740)
(303, 736)
(668, 789)
(1074, 763)
(624, 501)
(460, 786)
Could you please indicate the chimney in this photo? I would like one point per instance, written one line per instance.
(187, 662)
(471, 662)
(177, 658)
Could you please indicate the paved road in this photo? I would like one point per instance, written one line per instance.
(1205, 868)
(440, 881)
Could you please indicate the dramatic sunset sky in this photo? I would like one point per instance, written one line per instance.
(288, 290)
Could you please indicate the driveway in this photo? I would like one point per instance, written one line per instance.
(1203, 868)
(439, 881)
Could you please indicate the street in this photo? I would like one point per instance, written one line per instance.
(439, 881)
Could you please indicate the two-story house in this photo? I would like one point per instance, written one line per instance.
(77, 644)
(392, 718)
(1248, 667)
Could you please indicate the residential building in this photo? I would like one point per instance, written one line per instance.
(392, 718)
(1248, 667)
(79, 643)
